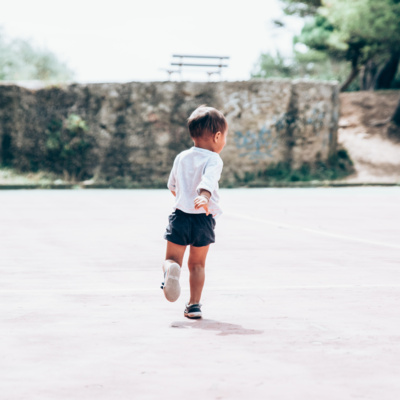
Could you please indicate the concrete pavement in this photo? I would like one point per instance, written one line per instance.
(302, 297)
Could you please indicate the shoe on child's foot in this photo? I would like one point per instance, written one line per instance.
(193, 311)
(170, 286)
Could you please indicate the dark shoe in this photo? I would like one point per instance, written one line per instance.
(193, 311)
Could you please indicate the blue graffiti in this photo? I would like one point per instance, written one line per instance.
(261, 145)
(256, 145)
(280, 123)
(316, 120)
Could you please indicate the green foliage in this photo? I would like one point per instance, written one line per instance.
(340, 39)
(366, 28)
(365, 33)
(20, 60)
(269, 66)
(312, 64)
(337, 167)
(67, 147)
(317, 34)
(301, 8)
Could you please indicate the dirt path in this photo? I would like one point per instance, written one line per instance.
(376, 158)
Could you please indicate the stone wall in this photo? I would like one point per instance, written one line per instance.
(136, 129)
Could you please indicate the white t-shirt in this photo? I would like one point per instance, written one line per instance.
(195, 169)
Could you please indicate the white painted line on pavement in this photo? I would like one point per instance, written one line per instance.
(315, 231)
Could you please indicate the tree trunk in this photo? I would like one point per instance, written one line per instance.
(396, 115)
(369, 73)
(388, 72)
(355, 69)
(393, 130)
(350, 78)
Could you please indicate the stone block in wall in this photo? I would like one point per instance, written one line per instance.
(313, 121)
(256, 113)
(18, 125)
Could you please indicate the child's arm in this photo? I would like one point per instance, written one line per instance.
(172, 177)
(211, 175)
(209, 182)
(202, 200)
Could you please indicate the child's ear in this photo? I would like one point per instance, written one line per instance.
(217, 136)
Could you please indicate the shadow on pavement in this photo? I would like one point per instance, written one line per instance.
(209, 325)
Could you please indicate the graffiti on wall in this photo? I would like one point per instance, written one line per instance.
(260, 145)
(256, 145)
(316, 120)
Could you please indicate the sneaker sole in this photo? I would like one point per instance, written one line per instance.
(172, 288)
(195, 315)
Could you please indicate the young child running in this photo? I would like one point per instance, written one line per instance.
(194, 183)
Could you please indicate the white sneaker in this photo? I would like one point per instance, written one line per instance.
(170, 286)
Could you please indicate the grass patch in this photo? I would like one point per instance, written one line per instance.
(337, 167)
(12, 176)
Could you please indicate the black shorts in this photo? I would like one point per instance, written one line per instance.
(190, 229)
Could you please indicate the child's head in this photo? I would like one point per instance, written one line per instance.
(208, 125)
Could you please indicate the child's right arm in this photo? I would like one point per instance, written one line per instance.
(172, 177)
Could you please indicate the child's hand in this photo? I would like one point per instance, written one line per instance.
(201, 201)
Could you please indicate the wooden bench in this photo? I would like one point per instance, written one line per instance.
(184, 62)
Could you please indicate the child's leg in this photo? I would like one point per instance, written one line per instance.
(197, 263)
(175, 253)
(172, 271)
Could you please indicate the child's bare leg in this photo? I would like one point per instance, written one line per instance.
(175, 253)
(197, 263)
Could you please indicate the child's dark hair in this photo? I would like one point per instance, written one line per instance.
(206, 120)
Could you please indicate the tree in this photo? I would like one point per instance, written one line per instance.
(312, 64)
(301, 8)
(269, 66)
(360, 36)
(20, 60)
(393, 128)
(396, 115)
(365, 33)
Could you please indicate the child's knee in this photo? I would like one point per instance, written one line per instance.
(196, 266)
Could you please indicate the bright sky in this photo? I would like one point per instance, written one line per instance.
(130, 40)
